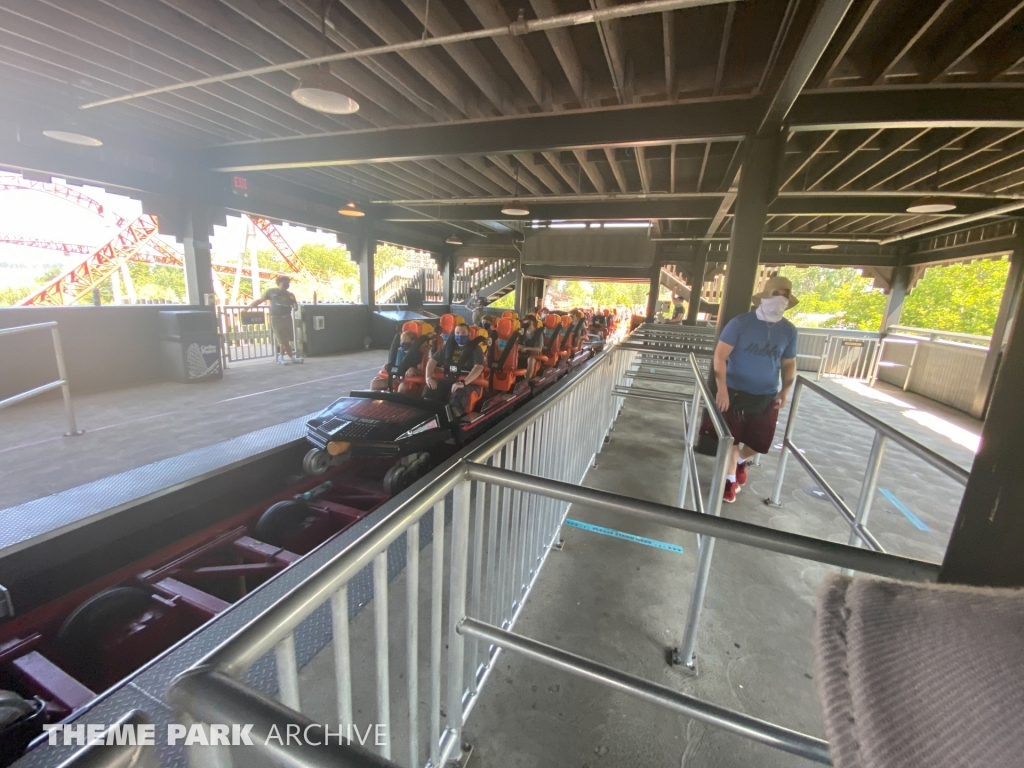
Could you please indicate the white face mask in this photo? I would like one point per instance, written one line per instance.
(770, 310)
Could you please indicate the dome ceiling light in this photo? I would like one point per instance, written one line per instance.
(321, 91)
(70, 137)
(351, 209)
(512, 209)
(932, 205)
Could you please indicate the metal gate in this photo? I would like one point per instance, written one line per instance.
(245, 334)
(846, 358)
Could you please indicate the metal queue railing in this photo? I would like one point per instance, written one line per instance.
(501, 505)
(499, 539)
(62, 374)
(857, 520)
(682, 356)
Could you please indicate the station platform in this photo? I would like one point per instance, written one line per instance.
(620, 599)
(624, 603)
(133, 427)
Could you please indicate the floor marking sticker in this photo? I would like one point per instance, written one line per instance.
(625, 536)
(914, 519)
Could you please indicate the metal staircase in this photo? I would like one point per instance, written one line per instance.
(493, 278)
(395, 287)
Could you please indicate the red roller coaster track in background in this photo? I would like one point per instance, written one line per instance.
(51, 245)
(101, 262)
(79, 281)
(273, 234)
(149, 258)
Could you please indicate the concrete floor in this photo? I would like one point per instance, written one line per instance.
(129, 428)
(624, 603)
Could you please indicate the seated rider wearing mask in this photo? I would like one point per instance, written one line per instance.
(408, 359)
(458, 356)
(532, 344)
(755, 367)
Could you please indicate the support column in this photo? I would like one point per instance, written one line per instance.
(365, 248)
(894, 300)
(198, 269)
(447, 277)
(655, 289)
(520, 303)
(698, 268)
(756, 191)
(1005, 320)
(988, 535)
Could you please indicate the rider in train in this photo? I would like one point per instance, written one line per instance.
(462, 363)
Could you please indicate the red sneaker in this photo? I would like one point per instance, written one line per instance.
(730, 492)
(741, 473)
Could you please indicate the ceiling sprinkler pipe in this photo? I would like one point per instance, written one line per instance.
(956, 222)
(516, 28)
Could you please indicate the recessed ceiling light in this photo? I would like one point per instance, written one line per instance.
(351, 209)
(453, 240)
(932, 205)
(70, 137)
(514, 210)
(824, 246)
(320, 91)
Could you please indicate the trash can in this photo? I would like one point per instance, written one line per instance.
(190, 346)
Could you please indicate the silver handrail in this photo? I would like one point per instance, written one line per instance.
(526, 442)
(932, 334)
(509, 497)
(672, 352)
(857, 520)
(62, 372)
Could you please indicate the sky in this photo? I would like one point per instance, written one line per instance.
(37, 215)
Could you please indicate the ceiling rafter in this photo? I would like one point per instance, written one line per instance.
(254, 97)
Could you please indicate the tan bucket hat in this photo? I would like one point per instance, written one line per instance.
(776, 284)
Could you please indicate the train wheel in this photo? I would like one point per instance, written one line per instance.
(82, 629)
(420, 466)
(407, 471)
(395, 480)
(280, 521)
(316, 462)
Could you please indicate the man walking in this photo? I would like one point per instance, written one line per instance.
(282, 302)
(755, 367)
(678, 311)
(475, 305)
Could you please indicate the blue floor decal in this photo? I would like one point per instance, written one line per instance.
(625, 536)
(914, 519)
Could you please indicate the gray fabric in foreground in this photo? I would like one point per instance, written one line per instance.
(920, 675)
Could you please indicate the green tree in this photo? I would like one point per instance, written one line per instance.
(963, 298)
(51, 272)
(388, 257)
(327, 263)
(155, 281)
(585, 293)
(11, 295)
(268, 259)
(835, 298)
(508, 301)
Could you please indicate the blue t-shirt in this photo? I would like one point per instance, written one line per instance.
(758, 349)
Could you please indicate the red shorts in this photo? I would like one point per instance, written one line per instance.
(756, 431)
